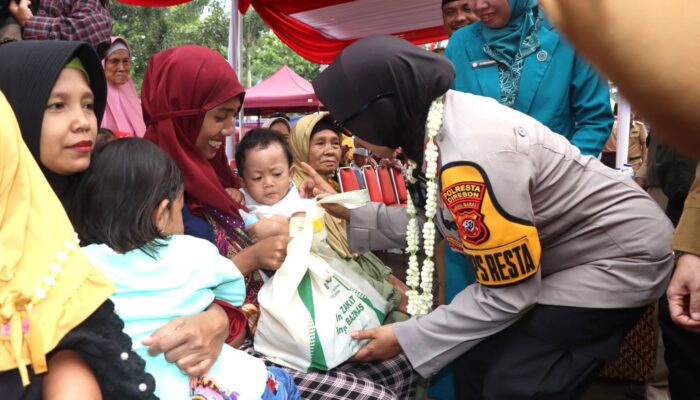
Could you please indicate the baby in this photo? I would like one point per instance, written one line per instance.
(265, 167)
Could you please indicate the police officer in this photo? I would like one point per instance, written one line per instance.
(567, 252)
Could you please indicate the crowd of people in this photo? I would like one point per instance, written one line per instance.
(129, 270)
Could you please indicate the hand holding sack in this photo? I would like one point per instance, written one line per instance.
(313, 302)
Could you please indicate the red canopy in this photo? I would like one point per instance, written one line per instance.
(283, 91)
(319, 29)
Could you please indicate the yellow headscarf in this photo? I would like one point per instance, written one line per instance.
(299, 145)
(47, 286)
(347, 141)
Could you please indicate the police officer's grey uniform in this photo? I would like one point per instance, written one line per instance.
(543, 225)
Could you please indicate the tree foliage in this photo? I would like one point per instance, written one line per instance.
(270, 54)
(152, 29)
(203, 22)
(253, 28)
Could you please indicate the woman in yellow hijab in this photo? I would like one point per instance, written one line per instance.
(54, 310)
(316, 141)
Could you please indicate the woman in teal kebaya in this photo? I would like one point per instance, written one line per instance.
(514, 55)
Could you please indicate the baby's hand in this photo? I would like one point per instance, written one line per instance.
(268, 227)
(21, 12)
(236, 195)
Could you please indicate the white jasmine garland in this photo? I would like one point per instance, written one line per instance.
(420, 280)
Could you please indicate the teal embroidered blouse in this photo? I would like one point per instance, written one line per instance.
(549, 82)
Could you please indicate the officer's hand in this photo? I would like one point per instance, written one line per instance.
(382, 344)
(314, 185)
(683, 293)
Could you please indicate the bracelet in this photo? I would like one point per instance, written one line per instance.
(676, 255)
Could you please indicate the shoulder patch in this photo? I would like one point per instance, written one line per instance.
(503, 249)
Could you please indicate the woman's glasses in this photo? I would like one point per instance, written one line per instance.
(340, 125)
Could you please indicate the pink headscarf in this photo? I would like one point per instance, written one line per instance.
(123, 112)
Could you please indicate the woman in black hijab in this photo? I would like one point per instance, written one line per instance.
(557, 240)
(28, 74)
(385, 100)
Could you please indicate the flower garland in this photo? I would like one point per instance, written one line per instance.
(420, 280)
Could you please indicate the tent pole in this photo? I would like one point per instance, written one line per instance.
(235, 59)
(623, 131)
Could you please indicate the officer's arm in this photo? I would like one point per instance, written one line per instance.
(376, 226)
(434, 340)
(491, 204)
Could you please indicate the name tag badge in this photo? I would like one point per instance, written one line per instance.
(483, 63)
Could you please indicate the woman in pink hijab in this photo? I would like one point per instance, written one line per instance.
(123, 112)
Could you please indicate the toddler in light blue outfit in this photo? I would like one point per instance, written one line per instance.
(132, 199)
